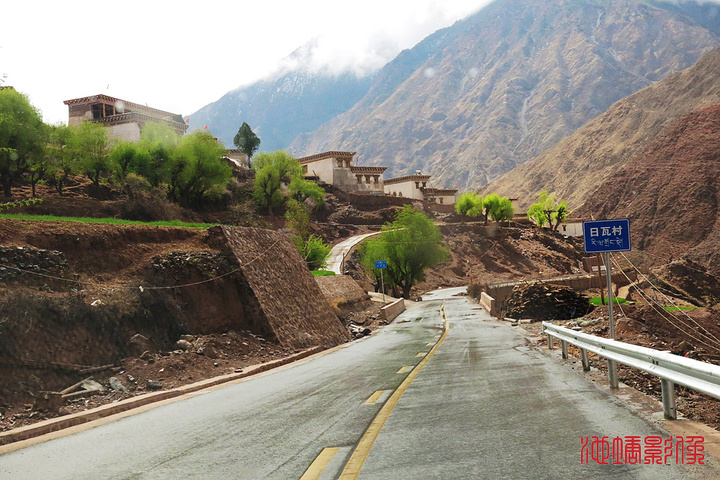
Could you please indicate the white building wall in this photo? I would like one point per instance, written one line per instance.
(571, 229)
(126, 131)
(323, 169)
(405, 189)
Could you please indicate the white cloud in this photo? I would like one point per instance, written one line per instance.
(180, 55)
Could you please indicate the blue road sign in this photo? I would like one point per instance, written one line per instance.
(380, 263)
(607, 235)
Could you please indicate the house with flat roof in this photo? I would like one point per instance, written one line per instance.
(122, 118)
(337, 169)
(416, 187)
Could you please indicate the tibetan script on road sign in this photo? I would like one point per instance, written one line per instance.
(607, 235)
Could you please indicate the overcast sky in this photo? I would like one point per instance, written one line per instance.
(181, 55)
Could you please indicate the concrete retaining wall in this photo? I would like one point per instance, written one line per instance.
(487, 302)
(390, 312)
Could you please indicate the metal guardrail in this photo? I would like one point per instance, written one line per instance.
(671, 369)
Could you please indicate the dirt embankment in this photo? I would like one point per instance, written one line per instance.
(103, 300)
(492, 254)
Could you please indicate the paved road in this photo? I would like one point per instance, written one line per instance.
(339, 251)
(484, 406)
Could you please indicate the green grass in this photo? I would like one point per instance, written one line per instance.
(108, 221)
(322, 273)
(596, 301)
(675, 309)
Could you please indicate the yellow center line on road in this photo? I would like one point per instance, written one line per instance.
(421, 354)
(430, 344)
(316, 469)
(374, 397)
(354, 465)
(404, 369)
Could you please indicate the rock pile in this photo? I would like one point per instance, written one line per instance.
(16, 260)
(210, 264)
(542, 301)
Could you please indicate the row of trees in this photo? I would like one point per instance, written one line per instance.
(190, 167)
(547, 210)
(491, 206)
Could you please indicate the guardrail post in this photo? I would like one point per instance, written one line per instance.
(550, 342)
(585, 361)
(668, 399)
(563, 349)
(613, 374)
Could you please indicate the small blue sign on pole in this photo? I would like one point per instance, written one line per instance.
(380, 263)
(607, 235)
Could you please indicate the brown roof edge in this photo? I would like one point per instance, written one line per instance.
(108, 98)
(361, 169)
(320, 156)
(440, 191)
(406, 178)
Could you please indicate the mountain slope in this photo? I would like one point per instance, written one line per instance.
(476, 99)
(670, 191)
(578, 165)
(295, 100)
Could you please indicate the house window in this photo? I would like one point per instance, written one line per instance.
(97, 111)
(400, 194)
(441, 199)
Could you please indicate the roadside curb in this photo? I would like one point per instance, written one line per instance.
(67, 421)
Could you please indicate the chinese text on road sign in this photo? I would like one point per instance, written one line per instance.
(607, 235)
(380, 263)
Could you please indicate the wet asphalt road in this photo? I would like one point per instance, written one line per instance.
(484, 406)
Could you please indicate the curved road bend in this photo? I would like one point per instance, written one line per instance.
(339, 251)
(484, 406)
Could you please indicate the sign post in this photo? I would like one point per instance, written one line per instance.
(381, 265)
(605, 236)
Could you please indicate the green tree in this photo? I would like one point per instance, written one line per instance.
(88, 144)
(303, 190)
(246, 140)
(61, 163)
(129, 157)
(410, 244)
(548, 210)
(490, 202)
(297, 216)
(196, 168)
(468, 204)
(272, 171)
(160, 141)
(502, 210)
(22, 135)
(313, 250)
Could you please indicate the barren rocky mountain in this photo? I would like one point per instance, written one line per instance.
(279, 108)
(670, 191)
(578, 165)
(474, 100)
